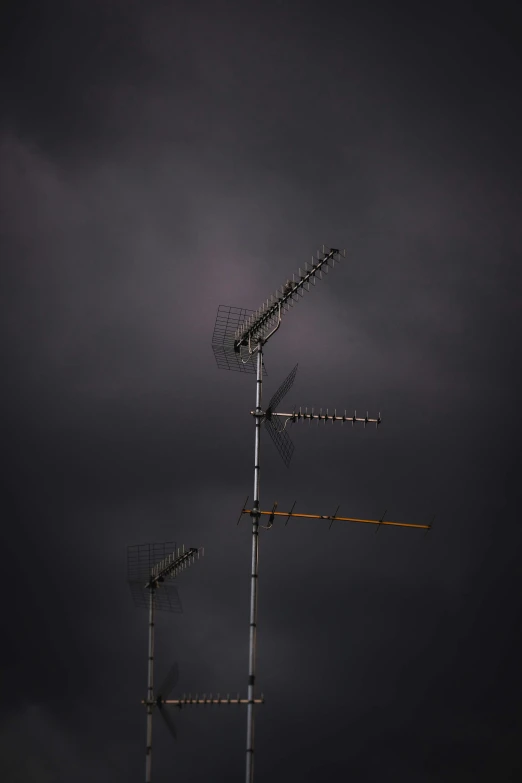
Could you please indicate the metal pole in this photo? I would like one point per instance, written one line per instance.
(150, 688)
(254, 576)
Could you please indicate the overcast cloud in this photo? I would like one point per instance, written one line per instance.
(158, 160)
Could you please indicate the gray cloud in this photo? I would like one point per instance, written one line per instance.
(156, 164)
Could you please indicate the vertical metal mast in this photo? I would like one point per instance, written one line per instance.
(254, 576)
(150, 687)
(238, 335)
(235, 333)
(151, 572)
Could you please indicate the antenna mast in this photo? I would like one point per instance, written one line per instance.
(151, 569)
(239, 336)
(252, 334)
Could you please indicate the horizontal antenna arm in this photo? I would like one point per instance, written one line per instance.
(341, 519)
(298, 415)
(189, 701)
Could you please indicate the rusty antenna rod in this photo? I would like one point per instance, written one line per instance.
(335, 518)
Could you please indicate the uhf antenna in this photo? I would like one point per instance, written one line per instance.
(151, 570)
(238, 340)
(188, 700)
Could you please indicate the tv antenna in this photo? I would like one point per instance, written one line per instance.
(238, 340)
(151, 570)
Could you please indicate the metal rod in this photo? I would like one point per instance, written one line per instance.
(297, 415)
(339, 519)
(150, 688)
(254, 575)
(188, 701)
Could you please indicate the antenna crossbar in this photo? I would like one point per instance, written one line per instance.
(335, 518)
(204, 700)
(333, 417)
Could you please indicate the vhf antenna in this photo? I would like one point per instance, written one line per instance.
(239, 336)
(151, 570)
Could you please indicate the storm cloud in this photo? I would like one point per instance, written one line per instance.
(158, 160)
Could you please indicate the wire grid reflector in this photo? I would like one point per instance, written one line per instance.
(227, 322)
(141, 559)
(281, 440)
(282, 391)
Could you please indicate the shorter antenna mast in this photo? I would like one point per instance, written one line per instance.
(151, 568)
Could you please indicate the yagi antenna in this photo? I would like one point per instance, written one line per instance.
(162, 700)
(331, 518)
(261, 324)
(276, 422)
(238, 330)
(238, 341)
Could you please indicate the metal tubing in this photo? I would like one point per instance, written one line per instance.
(150, 688)
(254, 574)
(192, 702)
(339, 519)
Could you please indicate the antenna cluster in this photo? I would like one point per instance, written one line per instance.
(238, 336)
(151, 571)
(154, 576)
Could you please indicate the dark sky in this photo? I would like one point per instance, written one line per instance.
(158, 160)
